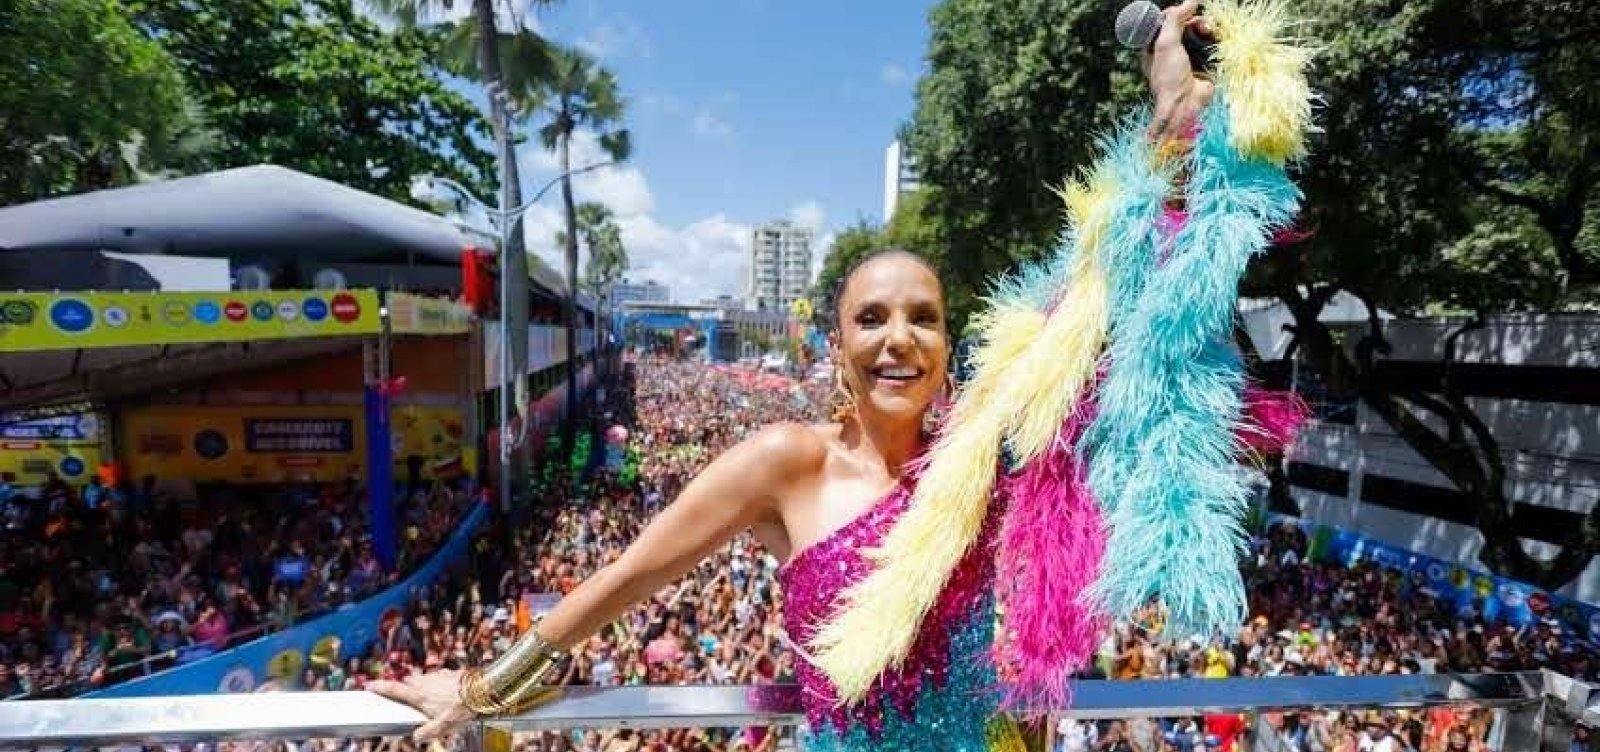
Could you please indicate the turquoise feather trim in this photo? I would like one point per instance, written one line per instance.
(1162, 448)
(1131, 244)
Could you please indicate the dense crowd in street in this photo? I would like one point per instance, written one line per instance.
(102, 584)
(718, 625)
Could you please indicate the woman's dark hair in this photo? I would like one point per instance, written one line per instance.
(836, 296)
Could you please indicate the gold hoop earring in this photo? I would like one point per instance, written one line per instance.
(844, 402)
(934, 417)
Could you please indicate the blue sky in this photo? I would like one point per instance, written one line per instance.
(742, 111)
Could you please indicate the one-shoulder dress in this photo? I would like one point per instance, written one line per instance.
(943, 696)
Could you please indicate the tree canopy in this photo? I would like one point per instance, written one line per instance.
(315, 86)
(79, 86)
(100, 93)
(1456, 169)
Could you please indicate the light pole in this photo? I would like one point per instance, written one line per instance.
(428, 188)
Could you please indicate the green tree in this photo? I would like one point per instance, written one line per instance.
(1012, 97)
(81, 92)
(1457, 170)
(607, 258)
(581, 95)
(848, 248)
(316, 87)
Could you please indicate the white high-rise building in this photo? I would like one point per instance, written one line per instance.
(780, 265)
(899, 177)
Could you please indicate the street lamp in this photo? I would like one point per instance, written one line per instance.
(428, 188)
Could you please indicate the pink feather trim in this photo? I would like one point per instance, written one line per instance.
(1272, 419)
(1051, 544)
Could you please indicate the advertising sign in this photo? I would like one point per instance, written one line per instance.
(282, 444)
(36, 321)
(415, 314)
(68, 446)
(293, 435)
(547, 346)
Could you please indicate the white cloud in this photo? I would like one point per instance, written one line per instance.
(617, 37)
(811, 216)
(819, 254)
(709, 125)
(705, 259)
(620, 187)
(701, 260)
(894, 75)
(666, 103)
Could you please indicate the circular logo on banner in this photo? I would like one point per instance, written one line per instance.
(235, 311)
(288, 310)
(1436, 571)
(346, 308)
(71, 316)
(1512, 596)
(176, 314)
(286, 664)
(1483, 586)
(238, 680)
(210, 444)
(114, 316)
(1539, 603)
(88, 425)
(207, 312)
(72, 467)
(16, 312)
(261, 310)
(325, 653)
(314, 309)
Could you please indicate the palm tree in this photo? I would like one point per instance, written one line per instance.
(607, 257)
(601, 236)
(581, 95)
(509, 63)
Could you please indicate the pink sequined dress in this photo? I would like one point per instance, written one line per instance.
(941, 698)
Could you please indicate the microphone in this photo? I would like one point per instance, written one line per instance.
(1139, 24)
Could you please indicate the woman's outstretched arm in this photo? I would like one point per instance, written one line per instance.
(738, 489)
(741, 487)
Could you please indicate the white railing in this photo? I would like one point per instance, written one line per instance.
(1539, 709)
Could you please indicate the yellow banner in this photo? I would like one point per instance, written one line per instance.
(283, 444)
(32, 321)
(415, 314)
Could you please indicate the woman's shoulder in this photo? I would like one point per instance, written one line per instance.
(791, 448)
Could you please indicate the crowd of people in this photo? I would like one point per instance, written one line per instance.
(717, 625)
(103, 584)
(1318, 618)
(194, 574)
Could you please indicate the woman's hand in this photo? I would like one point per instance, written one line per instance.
(1179, 94)
(436, 695)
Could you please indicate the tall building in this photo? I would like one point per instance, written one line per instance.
(780, 265)
(899, 177)
(646, 292)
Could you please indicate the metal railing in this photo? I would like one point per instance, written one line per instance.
(1539, 709)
